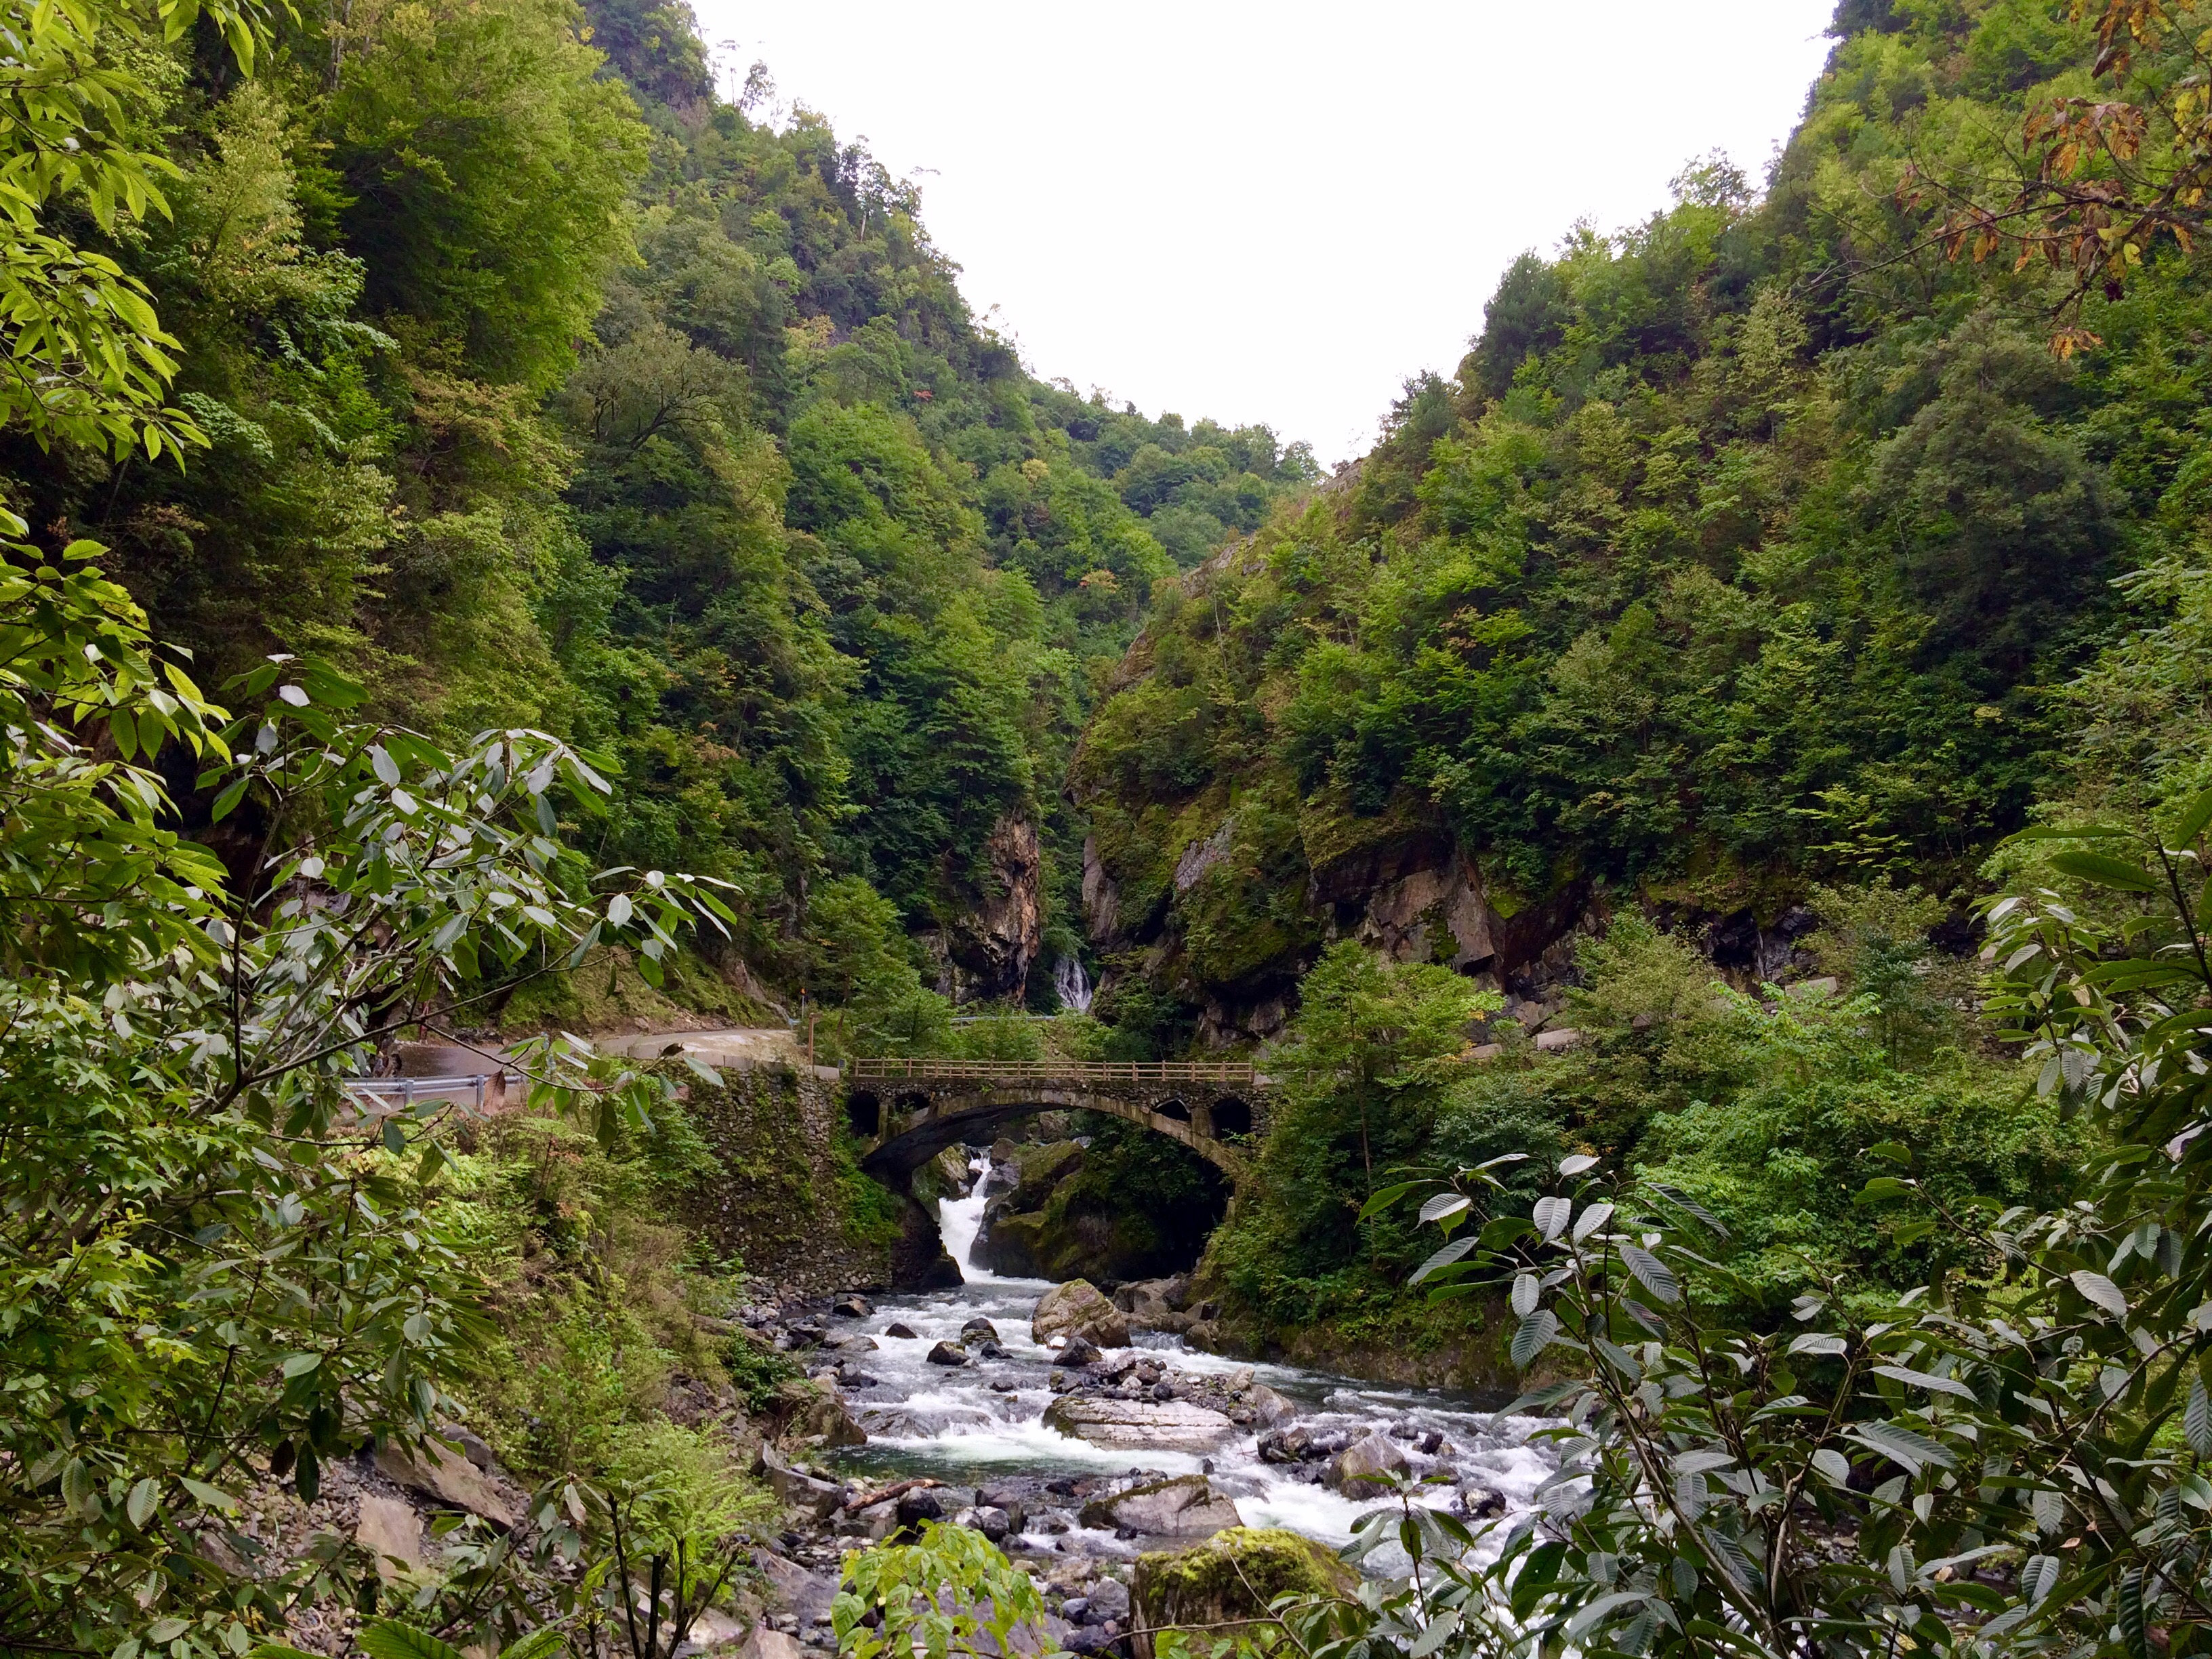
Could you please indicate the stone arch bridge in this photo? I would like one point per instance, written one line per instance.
(910, 1110)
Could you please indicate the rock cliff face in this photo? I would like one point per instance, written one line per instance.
(989, 952)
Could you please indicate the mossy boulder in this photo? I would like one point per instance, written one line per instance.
(943, 1177)
(1013, 1238)
(1233, 1575)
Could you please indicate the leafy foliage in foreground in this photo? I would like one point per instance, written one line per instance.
(212, 1255)
(2006, 1460)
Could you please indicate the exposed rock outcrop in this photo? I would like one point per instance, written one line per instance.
(989, 952)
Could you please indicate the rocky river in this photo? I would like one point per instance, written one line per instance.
(1080, 1452)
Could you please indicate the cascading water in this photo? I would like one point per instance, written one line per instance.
(982, 1422)
(1073, 984)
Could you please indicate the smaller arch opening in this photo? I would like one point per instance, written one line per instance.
(1232, 1117)
(864, 1113)
(1174, 1108)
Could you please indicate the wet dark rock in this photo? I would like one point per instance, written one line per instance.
(948, 1353)
(993, 1523)
(1079, 1351)
(920, 1504)
(898, 1329)
(989, 1349)
(1431, 1443)
(853, 1307)
(1109, 1599)
(978, 1325)
(1479, 1503)
(1362, 1469)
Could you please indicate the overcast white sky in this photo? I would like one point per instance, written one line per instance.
(1276, 212)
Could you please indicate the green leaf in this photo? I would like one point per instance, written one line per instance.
(2194, 818)
(1381, 1201)
(1575, 1164)
(1533, 1336)
(2197, 1419)
(2098, 1289)
(1443, 1258)
(1655, 1275)
(538, 1645)
(213, 1498)
(141, 1503)
(1925, 1380)
(1832, 1467)
(387, 1639)
(1443, 1205)
(1901, 1445)
(2102, 870)
(300, 1365)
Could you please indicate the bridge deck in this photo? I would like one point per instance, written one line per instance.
(1230, 1074)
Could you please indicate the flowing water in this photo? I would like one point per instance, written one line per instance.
(975, 1424)
(1072, 984)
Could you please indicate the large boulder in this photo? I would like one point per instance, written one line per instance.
(804, 1410)
(1014, 1221)
(1233, 1575)
(439, 1473)
(1356, 1471)
(1138, 1424)
(1077, 1309)
(1185, 1507)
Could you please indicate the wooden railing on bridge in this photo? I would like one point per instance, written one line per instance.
(1232, 1074)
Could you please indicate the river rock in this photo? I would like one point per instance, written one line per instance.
(808, 1409)
(948, 1353)
(390, 1534)
(978, 1325)
(1185, 1507)
(1079, 1351)
(1269, 1409)
(807, 1493)
(766, 1641)
(1231, 1577)
(1354, 1470)
(853, 1307)
(899, 1328)
(993, 1523)
(1109, 1599)
(1137, 1425)
(1077, 1309)
(450, 1478)
(806, 1594)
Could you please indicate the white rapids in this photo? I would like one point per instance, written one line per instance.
(982, 1423)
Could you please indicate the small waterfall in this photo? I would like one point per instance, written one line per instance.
(959, 1221)
(1073, 984)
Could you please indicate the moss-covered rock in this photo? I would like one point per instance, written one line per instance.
(1233, 1575)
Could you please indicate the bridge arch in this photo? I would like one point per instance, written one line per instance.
(916, 1109)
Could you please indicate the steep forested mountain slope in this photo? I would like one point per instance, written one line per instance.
(1749, 548)
(544, 387)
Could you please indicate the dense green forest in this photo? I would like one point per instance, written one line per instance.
(1714, 806)
(543, 388)
(1758, 570)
